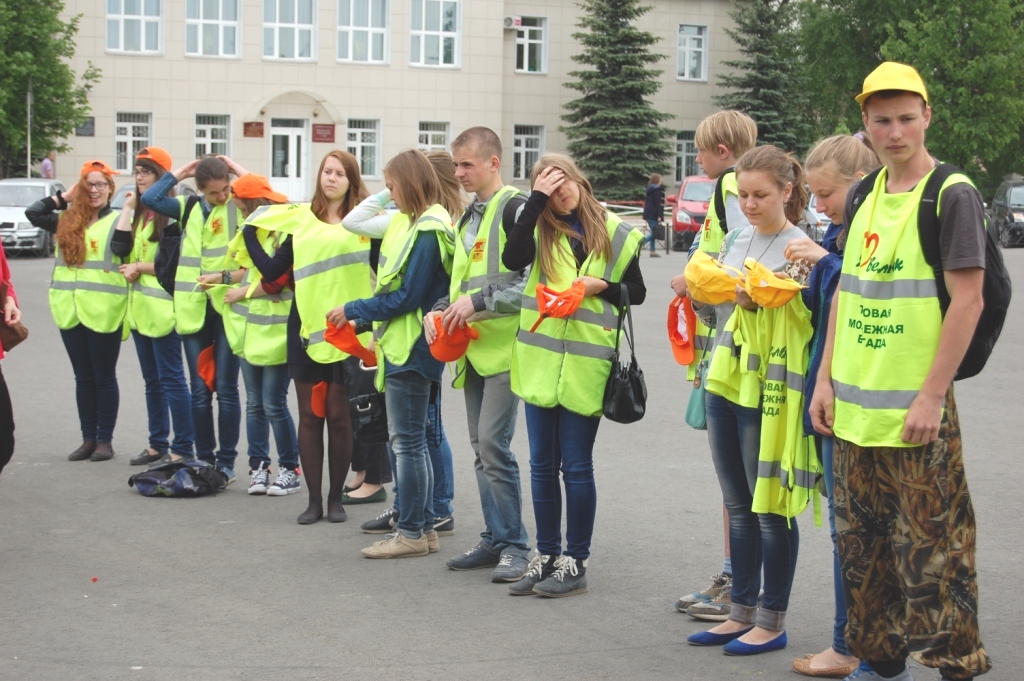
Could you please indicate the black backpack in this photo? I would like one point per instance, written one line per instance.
(720, 200)
(996, 289)
(188, 478)
(166, 265)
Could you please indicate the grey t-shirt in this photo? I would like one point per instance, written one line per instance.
(961, 226)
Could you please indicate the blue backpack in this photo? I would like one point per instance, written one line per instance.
(190, 478)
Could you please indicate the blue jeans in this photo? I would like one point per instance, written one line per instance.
(491, 410)
(407, 394)
(756, 539)
(562, 440)
(651, 225)
(839, 628)
(94, 360)
(440, 453)
(229, 409)
(166, 392)
(266, 407)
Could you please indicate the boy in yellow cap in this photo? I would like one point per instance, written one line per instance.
(906, 527)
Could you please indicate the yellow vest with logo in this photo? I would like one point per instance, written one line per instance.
(150, 307)
(204, 250)
(395, 338)
(475, 268)
(736, 361)
(566, 361)
(888, 318)
(95, 293)
(709, 240)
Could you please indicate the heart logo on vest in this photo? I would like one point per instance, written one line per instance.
(871, 241)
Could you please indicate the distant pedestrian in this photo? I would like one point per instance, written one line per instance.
(46, 167)
(654, 212)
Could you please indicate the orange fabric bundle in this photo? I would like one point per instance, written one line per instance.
(682, 324)
(451, 347)
(318, 400)
(207, 367)
(346, 340)
(552, 303)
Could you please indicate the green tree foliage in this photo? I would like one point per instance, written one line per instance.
(614, 132)
(769, 85)
(36, 43)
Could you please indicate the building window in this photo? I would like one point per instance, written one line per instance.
(530, 52)
(686, 155)
(212, 134)
(363, 30)
(693, 52)
(363, 142)
(289, 29)
(527, 146)
(132, 133)
(211, 28)
(434, 34)
(133, 26)
(433, 137)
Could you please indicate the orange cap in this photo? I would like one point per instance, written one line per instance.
(551, 303)
(253, 186)
(451, 347)
(682, 323)
(98, 167)
(157, 156)
(207, 366)
(346, 340)
(318, 400)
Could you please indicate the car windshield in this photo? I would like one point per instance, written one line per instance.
(698, 191)
(20, 196)
(1016, 196)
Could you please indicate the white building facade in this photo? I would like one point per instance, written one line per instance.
(275, 84)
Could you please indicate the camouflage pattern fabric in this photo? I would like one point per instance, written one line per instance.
(906, 537)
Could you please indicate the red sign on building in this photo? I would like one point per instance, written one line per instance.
(323, 132)
(253, 129)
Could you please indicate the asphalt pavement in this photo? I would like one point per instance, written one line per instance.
(99, 582)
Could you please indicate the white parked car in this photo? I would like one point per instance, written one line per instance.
(16, 233)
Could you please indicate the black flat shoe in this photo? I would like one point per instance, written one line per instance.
(83, 452)
(145, 458)
(104, 452)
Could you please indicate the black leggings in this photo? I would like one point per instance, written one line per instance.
(311, 440)
(6, 423)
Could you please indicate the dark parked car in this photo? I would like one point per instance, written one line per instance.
(1008, 213)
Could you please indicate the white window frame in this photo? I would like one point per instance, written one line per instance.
(120, 17)
(686, 150)
(360, 148)
(524, 41)
(132, 143)
(686, 49)
(274, 29)
(426, 139)
(418, 36)
(521, 166)
(347, 30)
(207, 139)
(220, 24)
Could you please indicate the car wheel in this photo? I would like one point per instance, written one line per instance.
(1004, 237)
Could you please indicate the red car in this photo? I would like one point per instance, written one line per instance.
(689, 209)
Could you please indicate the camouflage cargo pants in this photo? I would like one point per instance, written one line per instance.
(906, 537)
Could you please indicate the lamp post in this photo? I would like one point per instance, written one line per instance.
(28, 146)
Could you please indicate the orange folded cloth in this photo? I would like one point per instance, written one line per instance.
(346, 340)
(318, 400)
(558, 303)
(682, 324)
(207, 367)
(451, 347)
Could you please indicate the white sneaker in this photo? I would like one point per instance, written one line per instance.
(287, 483)
(259, 480)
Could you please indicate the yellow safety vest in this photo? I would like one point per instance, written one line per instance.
(736, 361)
(888, 318)
(204, 250)
(566, 361)
(94, 293)
(709, 240)
(150, 307)
(478, 266)
(395, 338)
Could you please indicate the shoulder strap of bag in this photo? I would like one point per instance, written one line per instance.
(624, 312)
(720, 200)
(929, 229)
(867, 184)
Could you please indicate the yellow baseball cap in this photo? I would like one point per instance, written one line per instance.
(891, 75)
(710, 282)
(765, 288)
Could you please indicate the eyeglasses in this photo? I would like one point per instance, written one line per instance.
(97, 186)
(143, 172)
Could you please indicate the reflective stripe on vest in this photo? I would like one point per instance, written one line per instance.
(888, 318)
(566, 362)
(203, 251)
(96, 293)
(150, 307)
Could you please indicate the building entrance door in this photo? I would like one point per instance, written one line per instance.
(289, 157)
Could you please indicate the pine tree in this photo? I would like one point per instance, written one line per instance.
(770, 87)
(615, 134)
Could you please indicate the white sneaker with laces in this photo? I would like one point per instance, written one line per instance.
(287, 483)
(259, 480)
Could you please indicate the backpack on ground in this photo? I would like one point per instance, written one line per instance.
(191, 478)
(996, 289)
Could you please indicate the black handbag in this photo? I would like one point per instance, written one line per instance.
(366, 405)
(625, 394)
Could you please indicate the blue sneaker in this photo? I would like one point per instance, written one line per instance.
(863, 674)
(287, 482)
(229, 473)
(480, 556)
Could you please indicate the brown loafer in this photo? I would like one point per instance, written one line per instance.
(802, 665)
